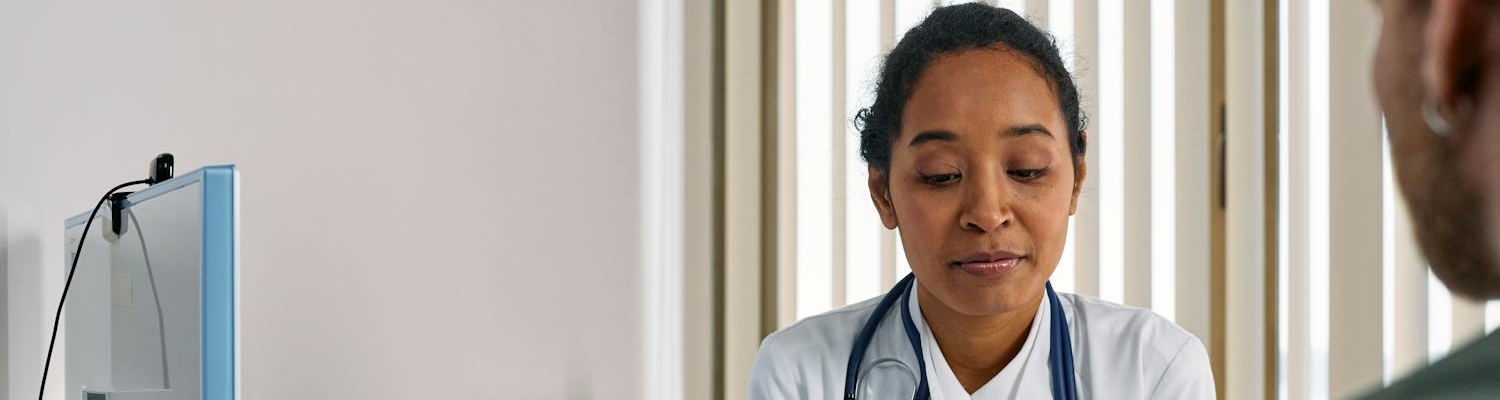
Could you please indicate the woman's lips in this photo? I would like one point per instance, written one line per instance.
(990, 268)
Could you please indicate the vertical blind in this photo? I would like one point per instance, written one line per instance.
(1141, 235)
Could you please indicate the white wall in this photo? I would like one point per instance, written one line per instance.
(439, 197)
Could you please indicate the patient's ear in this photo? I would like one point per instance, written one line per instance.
(1454, 52)
(880, 193)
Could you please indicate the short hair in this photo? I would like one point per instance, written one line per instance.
(948, 30)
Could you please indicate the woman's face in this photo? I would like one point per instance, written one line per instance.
(981, 181)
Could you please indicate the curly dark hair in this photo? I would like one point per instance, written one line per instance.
(948, 30)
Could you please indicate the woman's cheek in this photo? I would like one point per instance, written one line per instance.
(919, 204)
(918, 214)
(1059, 226)
(924, 223)
(1047, 221)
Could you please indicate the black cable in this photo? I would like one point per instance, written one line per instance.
(41, 393)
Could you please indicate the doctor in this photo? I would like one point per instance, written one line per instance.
(975, 149)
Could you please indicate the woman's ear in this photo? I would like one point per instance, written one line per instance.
(1453, 52)
(880, 193)
(1080, 171)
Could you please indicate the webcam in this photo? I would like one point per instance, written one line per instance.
(161, 171)
(161, 168)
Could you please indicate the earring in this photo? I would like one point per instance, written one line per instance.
(1436, 122)
(1440, 124)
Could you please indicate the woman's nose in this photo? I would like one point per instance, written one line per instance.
(987, 206)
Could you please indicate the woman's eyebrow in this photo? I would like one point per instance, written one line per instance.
(1027, 130)
(932, 136)
(946, 136)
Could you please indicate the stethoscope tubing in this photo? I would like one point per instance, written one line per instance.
(1060, 355)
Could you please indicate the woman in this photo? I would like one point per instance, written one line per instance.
(975, 150)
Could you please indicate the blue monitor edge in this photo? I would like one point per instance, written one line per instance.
(219, 271)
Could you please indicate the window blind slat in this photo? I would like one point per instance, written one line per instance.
(862, 45)
(1468, 321)
(1245, 325)
(1164, 144)
(814, 177)
(1492, 316)
(1060, 25)
(785, 170)
(838, 224)
(1410, 279)
(1109, 144)
(1296, 351)
(1354, 212)
(1137, 139)
(1085, 226)
(1194, 189)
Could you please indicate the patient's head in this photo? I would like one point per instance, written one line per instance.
(975, 149)
(1436, 75)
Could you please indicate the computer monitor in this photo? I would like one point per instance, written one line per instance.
(153, 311)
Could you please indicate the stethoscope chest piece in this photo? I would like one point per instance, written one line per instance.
(888, 378)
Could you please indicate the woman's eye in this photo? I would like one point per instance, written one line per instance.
(940, 179)
(1028, 174)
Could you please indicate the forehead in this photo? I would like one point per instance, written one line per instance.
(985, 89)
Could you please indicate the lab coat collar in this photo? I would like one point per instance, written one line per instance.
(1019, 378)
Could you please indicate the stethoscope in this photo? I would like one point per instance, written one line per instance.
(1059, 359)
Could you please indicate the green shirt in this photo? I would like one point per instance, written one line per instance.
(1472, 372)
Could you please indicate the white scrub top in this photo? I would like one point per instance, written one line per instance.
(1119, 352)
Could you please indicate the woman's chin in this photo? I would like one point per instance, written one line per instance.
(993, 300)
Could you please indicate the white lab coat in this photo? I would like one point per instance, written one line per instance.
(1119, 352)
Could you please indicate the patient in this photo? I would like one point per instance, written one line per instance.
(1443, 115)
